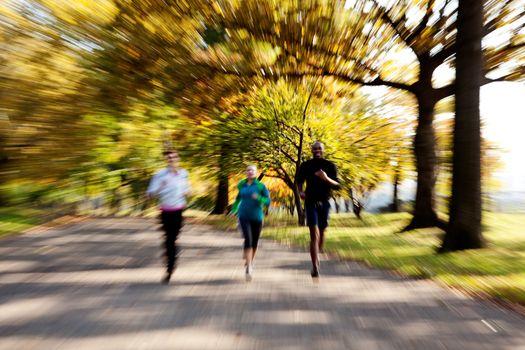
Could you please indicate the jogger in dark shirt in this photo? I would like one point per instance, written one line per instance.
(320, 176)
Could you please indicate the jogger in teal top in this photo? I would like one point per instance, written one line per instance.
(253, 196)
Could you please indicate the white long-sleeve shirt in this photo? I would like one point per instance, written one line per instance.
(171, 188)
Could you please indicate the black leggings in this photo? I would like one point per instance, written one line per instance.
(251, 230)
(171, 223)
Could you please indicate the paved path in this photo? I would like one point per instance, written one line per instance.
(95, 285)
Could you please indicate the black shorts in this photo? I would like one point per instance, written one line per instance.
(317, 214)
(251, 231)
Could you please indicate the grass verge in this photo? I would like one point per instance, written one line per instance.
(18, 219)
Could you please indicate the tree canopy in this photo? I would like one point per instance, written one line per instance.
(97, 87)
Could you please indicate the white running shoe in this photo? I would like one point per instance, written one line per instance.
(249, 270)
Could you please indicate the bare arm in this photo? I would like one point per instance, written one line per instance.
(326, 178)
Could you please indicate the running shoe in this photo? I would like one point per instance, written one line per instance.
(249, 270)
(315, 271)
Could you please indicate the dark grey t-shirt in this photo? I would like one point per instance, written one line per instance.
(316, 188)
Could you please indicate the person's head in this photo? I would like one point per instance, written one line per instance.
(172, 158)
(251, 172)
(317, 149)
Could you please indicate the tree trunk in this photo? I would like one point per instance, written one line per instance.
(357, 208)
(347, 205)
(356, 205)
(464, 229)
(395, 196)
(336, 203)
(221, 202)
(424, 214)
(301, 217)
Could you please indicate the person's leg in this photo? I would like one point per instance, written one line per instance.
(322, 216)
(321, 240)
(248, 257)
(177, 225)
(169, 244)
(312, 221)
(256, 228)
(314, 248)
(246, 231)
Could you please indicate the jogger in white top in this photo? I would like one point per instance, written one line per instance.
(171, 186)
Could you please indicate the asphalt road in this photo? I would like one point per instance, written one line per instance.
(95, 284)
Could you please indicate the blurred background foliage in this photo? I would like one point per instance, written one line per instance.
(92, 91)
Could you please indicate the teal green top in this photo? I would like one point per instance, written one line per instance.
(245, 206)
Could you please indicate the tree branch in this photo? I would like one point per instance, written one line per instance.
(386, 17)
(422, 25)
(509, 48)
(445, 53)
(508, 77)
(286, 178)
(375, 82)
(333, 55)
(445, 91)
(492, 25)
(287, 155)
(319, 73)
(371, 133)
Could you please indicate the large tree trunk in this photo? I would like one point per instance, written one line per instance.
(464, 230)
(424, 214)
(221, 202)
(425, 152)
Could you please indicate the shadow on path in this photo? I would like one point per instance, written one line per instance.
(95, 285)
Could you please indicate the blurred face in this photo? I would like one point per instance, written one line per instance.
(317, 150)
(251, 172)
(172, 159)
